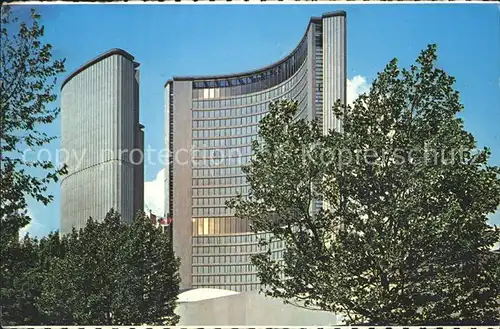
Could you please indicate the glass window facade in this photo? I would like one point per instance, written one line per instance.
(253, 82)
(223, 129)
(221, 116)
(224, 262)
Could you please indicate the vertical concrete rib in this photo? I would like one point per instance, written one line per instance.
(311, 74)
(182, 180)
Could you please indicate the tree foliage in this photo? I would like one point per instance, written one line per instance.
(402, 237)
(27, 81)
(26, 92)
(108, 273)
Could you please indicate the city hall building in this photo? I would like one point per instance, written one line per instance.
(101, 141)
(210, 122)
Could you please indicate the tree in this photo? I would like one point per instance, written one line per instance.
(113, 274)
(29, 261)
(402, 237)
(20, 286)
(148, 279)
(77, 287)
(59, 300)
(26, 91)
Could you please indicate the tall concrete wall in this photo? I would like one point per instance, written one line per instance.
(334, 68)
(182, 166)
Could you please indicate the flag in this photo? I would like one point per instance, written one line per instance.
(166, 221)
(153, 218)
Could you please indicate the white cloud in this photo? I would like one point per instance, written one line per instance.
(154, 194)
(355, 87)
(24, 230)
(31, 228)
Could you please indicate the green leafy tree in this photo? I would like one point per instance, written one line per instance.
(26, 92)
(60, 300)
(29, 262)
(113, 274)
(402, 237)
(20, 286)
(148, 277)
(27, 81)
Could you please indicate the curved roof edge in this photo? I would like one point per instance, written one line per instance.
(256, 71)
(200, 294)
(334, 13)
(111, 52)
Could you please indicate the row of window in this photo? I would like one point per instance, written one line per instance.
(278, 255)
(228, 250)
(230, 239)
(217, 172)
(225, 269)
(218, 225)
(216, 191)
(228, 161)
(239, 180)
(216, 211)
(223, 260)
(222, 142)
(223, 152)
(236, 180)
(221, 162)
(220, 123)
(215, 202)
(217, 279)
(233, 259)
(228, 132)
(233, 287)
(244, 112)
(228, 108)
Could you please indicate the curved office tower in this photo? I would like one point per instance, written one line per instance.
(102, 141)
(217, 117)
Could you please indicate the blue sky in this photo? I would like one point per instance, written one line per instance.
(170, 40)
